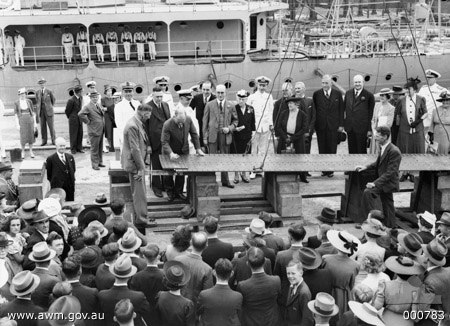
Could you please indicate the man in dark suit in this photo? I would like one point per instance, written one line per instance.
(443, 226)
(387, 181)
(261, 293)
(220, 305)
(198, 103)
(359, 104)
(318, 280)
(307, 106)
(92, 115)
(153, 127)
(174, 140)
(41, 228)
(219, 121)
(216, 248)
(73, 106)
(61, 169)
(273, 241)
(281, 105)
(150, 280)
(104, 280)
(123, 270)
(134, 150)
(329, 117)
(44, 104)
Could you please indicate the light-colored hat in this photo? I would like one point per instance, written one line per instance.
(127, 85)
(50, 206)
(123, 267)
(100, 199)
(42, 80)
(243, 93)
(41, 253)
(430, 73)
(366, 312)
(91, 83)
(26, 210)
(185, 92)
(257, 226)
(403, 265)
(428, 217)
(323, 305)
(117, 95)
(3, 275)
(98, 226)
(343, 241)
(436, 251)
(129, 242)
(161, 80)
(66, 306)
(374, 226)
(385, 91)
(24, 283)
(411, 242)
(21, 91)
(263, 80)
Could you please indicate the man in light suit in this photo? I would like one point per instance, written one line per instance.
(92, 115)
(198, 103)
(219, 121)
(359, 104)
(44, 104)
(135, 148)
(153, 127)
(387, 170)
(329, 118)
(73, 106)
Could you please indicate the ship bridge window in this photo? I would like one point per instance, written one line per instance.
(177, 87)
(388, 76)
(367, 78)
(228, 84)
(220, 24)
(251, 83)
(139, 89)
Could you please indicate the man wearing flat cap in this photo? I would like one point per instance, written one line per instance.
(73, 106)
(44, 105)
(19, 44)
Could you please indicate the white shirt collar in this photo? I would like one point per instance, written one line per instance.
(383, 147)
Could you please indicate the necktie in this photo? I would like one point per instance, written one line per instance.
(63, 159)
(180, 125)
(205, 99)
(132, 106)
(220, 106)
(326, 94)
(356, 94)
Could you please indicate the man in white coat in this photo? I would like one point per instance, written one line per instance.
(68, 42)
(124, 111)
(19, 44)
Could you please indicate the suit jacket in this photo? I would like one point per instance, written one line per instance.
(242, 272)
(140, 263)
(281, 262)
(134, 149)
(217, 249)
(437, 281)
(326, 248)
(318, 280)
(92, 115)
(308, 108)
(261, 293)
(329, 111)
(88, 298)
(41, 296)
(201, 276)
(21, 306)
(313, 242)
(301, 126)
(359, 111)
(109, 298)
(297, 312)
(386, 169)
(48, 101)
(34, 238)
(150, 282)
(279, 106)
(401, 116)
(73, 106)
(104, 280)
(247, 119)
(219, 305)
(176, 140)
(154, 125)
(211, 121)
(273, 241)
(198, 104)
(60, 175)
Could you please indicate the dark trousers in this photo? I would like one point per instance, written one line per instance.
(156, 180)
(384, 201)
(327, 141)
(70, 191)
(357, 142)
(308, 144)
(200, 126)
(220, 147)
(75, 133)
(96, 150)
(172, 188)
(47, 121)
(109, 132)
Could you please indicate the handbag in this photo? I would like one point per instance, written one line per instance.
(36, 133)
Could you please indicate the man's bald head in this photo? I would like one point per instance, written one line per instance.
(358, 82)
(199, 241)
(326, 82)
(180, 115)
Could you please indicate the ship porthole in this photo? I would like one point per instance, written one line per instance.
(288, 80)
(177, 87)
(388, 76)
(367, 78)
(138, 89)
(251, 83)
(227, 84)
(334, 78)
(261, 21)
(71, 92)
(220, 24)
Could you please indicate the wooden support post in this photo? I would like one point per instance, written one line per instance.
(32, 180)
(282, 190)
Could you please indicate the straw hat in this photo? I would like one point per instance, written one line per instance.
(176, 273)
(100, 199)
(41, 253)
(50, 206)
(403, 265)
(242, 93)
(385, 91)
(26, 210)
(343, 241)
(323, 305)
(123, 267)
(129, 242)
(366, 312)
(24, 283)
(257, 226)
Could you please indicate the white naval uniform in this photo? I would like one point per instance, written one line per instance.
(258, 101)
(151, 40)
(19, 44)
(67, 42)
(126, 39)
(111, 39)
(9, 49)
(82, 42)
(122, 113)
(99, 40)
(139, 39)
(2, 46)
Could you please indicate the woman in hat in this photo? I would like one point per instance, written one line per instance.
(409, 115)
(174, 309)
(242, 135)
(12, 228)
(25, 121)
(440, 125)
(373, 230)
(383, 115)
(107, 102)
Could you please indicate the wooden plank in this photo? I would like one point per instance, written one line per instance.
(243, 197)
(246, 210)
(171, 207)
(250, 203)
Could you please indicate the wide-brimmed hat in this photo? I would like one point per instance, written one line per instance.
(123, 267)
(436, 251)
(411, 242)
(41, 81)
(428, 217)
(366, 312)
(94, 93)
(327, 215)
(92, 213)
(309, 258)
(41, 253)
(96, 225)
(38, 216)
(242, 93)
(403, 265)
(443, 98)
(24, 283)
(161, 80)
(374, 226)
(263, 80)
(50, 206)
(66, 307)
(77, 88)
(90, 258)
(129, 242)
(430, 73)
(343, 241)
(26, 210)
(399, 90)
(176, 273)
(257, 226)
(385, 91)
(101, 199)
(323, 305)
(106, 88)
(445, 219)
(5, 166)
(187, 212)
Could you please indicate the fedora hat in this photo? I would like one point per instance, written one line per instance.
(428, 217)
(366, 313)
(257, 226)
(435, 251)
(187, 212)
(129, 242)
(26, 210)
(24, 283)
(90, 258)
(100, 199)
(412, 243)
(41, 81)
(323, 305)
(66, 306)
(343, 241)
(373, 226)
(123, 267)
(292, 99)
(92, 213)
(443, 98)
(94, 93)
(445, 219)
(309, 258)
(41, 253)
(398, 90)
(176, 273)
(50, 206)
(403, 265)
(327, 215)
(95, 225)
(78, 88)
(5, 167)
(38, 216)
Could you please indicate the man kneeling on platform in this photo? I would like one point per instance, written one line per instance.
(387, 170)
(175, 142)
